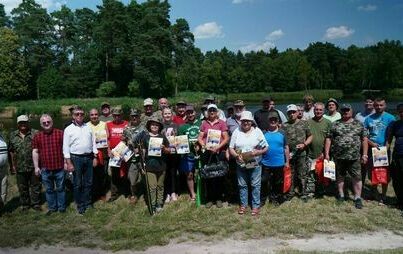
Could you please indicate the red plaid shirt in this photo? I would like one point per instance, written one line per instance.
(50, 149)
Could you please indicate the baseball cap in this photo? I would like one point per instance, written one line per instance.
(134, 112)
(346, 106)
(148, 102)
(212, 106)
(292, 107)
(239, 103)
(22, 118)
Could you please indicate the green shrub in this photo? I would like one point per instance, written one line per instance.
(106, 89)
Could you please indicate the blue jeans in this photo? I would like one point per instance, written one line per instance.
(82, 181)
(55, 193)
(252, 176)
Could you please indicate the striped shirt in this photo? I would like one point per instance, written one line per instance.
(50, 149)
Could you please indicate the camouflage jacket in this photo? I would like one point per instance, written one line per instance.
(22, 149)
(129, 133)
(346, 139)
(296, 133)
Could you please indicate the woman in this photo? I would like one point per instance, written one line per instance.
(214, 149)
(170, 130)
(273, 162)
(247, 145)
(154, 157)
(396, 131)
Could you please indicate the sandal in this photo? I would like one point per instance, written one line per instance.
(241, 210)
(255, 211)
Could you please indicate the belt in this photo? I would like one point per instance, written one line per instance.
(83, 155)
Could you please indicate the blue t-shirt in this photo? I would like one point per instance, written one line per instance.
(275, 156)
(377, 126)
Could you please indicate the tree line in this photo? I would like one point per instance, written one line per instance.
(135, 50)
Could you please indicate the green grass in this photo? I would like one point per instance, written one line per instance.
(119, 226)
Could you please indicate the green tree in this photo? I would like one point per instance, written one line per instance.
(50, 84)
(4, 19)
(13, 71)
(106, 89)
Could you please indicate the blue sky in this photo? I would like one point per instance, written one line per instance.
(262, 24)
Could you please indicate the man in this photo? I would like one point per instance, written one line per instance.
(80, 154)
(299, 137)
(211, 100)
(180, 117)
(308, 107)
(148, 112)
(115, 133)
(346, 137)
(188, 161)
(47, 154)
(300, 111)
(234, 122)
(106, 115)
(134, 173)
(261, 116)
(101, 169)
(20, 149)
(162, 103)
(319, 127)
(3, 171)
(368, 110)
(332, 106)
(377, 125)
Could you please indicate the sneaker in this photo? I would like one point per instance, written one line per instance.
(255, 211)
(340, 199)
(168, 199)
(358, 203)
(209, 204)
(174, 197)
(219, 204)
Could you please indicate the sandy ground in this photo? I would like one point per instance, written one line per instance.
(337, 243)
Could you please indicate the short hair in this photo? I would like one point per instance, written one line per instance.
(308, 97)
(165, 109)
(319, 104)
(45, 116)
(93, 109)
(369, 97)
(379, 99)
(78, 108)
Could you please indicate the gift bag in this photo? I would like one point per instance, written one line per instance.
(319, 166)
(287, 179)
(379, 175)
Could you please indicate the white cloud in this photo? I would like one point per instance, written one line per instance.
(241, 1)
(368, 7)
(338, 32)
(208, 30)
(9, 5)
(275, 35)
(265, 46)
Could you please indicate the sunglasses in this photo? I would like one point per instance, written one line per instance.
(46, 122)
(79, 114)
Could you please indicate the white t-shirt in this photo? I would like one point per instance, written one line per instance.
(246, 142)
(333, 118)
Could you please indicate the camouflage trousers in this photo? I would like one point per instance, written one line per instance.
(302, 177)
(29, 187)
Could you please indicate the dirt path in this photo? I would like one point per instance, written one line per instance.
(338, 243)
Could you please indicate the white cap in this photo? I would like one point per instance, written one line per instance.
(292, 107)
(212, 106)
(22, 118)
(148, 102)
(246, 115)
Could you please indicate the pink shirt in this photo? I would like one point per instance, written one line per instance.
(219, 125)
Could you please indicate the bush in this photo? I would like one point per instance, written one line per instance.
(106, 89)
(50, 84)
(134, 88)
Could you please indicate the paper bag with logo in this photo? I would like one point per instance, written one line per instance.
(379, 175)
(287, 179)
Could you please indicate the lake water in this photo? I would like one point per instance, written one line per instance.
(9, 124)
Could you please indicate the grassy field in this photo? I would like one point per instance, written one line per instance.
(119, 225)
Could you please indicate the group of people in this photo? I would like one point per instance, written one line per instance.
(273, 155)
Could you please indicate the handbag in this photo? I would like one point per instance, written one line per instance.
(214, 169)
(287, 180)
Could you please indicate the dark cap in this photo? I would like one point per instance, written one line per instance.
(346, 107)
(268, 98)
(190, 108)
(239, 103)
(181, 103)
(134, 112)
(105, 104)
(273, 114)
(334, 101)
